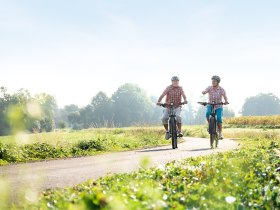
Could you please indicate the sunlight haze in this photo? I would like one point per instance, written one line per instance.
(74, 49)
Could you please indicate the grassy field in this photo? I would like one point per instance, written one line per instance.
(61, 144)
(247, 178)
(235, 133)
(66, 143)
(254, 121)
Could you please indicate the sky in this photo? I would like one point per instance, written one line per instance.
(74, 49)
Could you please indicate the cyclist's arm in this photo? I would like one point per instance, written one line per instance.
(225, 97)
(162, 95)
(206, 91)
(184, 96)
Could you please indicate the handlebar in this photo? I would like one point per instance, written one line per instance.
(213, 104)
(171, 104)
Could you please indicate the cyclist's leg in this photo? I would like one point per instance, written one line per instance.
(164, 119)
(208, 113)
(179, 120)
(219, 113)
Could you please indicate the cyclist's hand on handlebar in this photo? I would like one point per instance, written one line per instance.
(202, 103)
(185, 102)
(226, 102)
(158, 103)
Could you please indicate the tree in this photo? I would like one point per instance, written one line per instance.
(131, 105)
(69, 115)
(261, 104)
(200, 117)
(48, 107)
(28, 108)
(74, 120)
(19, 112)
(188, 114)
(102, 110)
(5, 100)
(228, 112)
(87, 117)
(156, 112)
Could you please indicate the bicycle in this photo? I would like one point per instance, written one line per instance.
(172, 124)
(213, 128)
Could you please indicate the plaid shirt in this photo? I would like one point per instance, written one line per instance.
(216, 94)
(173, 95)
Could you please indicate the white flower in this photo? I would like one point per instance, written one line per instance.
(161, 167)
(230, 199)
(203, 163)
(165, 197)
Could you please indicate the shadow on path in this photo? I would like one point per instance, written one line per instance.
(194, 150)
(155, 150)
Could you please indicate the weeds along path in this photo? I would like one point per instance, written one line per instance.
(68, 172)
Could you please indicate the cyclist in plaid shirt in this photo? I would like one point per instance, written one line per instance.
(216, 93)
(173, 94)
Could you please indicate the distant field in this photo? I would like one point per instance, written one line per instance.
(255, 121)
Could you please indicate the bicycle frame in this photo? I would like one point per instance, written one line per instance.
(213, 127)
(213, 124)
(172, 124)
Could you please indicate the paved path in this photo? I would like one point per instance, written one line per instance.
(68, 172)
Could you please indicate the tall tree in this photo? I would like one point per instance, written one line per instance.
(21, 114)
(48, 106)
(70, 115)
(227, 112)
(188, 114)
(5, 100)
(18, 112)
(102, 110)
(261, 104)
(87, 117)
(131, 105)
(74, 120)
(156, 112)
(200, 117)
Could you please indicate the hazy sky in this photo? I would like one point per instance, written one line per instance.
(73, 49)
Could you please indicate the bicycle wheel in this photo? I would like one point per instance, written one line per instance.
(216, 140)
(212, 131)
(173, 131)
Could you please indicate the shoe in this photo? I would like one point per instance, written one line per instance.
(180, 134)
(167, 135)
(221, 136)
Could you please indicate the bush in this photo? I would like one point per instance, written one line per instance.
(91, 145)
(42, 151)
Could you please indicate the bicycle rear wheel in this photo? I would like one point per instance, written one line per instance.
(173, 131)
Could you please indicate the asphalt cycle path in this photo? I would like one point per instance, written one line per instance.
(61, 173)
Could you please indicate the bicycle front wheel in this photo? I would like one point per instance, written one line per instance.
(213, 132)
(173, 131)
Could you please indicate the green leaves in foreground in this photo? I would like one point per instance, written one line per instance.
(242, 179)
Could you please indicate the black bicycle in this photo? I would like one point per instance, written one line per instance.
(173, 131)
(213, 128)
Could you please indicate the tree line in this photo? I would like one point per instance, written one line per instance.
(21, 111)
(128, 106)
